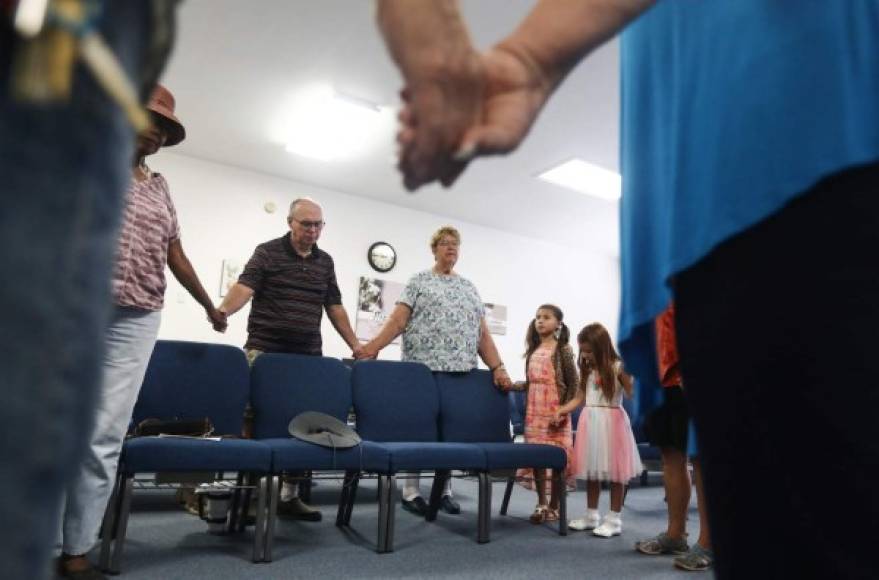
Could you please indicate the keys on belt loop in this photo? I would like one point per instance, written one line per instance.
(54, 34)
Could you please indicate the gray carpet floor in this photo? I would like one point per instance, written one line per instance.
(166, 543)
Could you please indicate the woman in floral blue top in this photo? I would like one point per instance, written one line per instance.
(442, 319)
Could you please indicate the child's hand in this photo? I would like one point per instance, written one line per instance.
(558, 420)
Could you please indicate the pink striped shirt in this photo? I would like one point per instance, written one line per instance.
(149, 226)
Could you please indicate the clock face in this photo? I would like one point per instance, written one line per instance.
(382, 256)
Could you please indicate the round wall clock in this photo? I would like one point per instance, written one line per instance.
(382, 256)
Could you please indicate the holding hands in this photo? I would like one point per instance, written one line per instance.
(501, 378)
(558, 419)
(217, 318)
(487, 110)
(366, 351)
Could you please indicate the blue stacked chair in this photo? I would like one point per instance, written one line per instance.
(473, 411)
(187, 380)
(397, 405)
(285, 385)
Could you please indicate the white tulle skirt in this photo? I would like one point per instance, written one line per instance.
(605, 448)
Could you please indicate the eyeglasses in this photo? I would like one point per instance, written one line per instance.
(309, 225)
(449, 244)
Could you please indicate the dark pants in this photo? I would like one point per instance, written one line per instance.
(778, 332)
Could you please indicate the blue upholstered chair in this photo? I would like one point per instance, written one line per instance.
(285, 385)
(473, 411)
(187, 380)
(397, 405)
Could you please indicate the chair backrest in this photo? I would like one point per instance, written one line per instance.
(472, 409)
(191, 380)
(284, 385)
(518, 399)
(395, 401)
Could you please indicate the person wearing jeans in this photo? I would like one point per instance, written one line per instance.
(63, 171)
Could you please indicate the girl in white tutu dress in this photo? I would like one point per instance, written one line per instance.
(605, 448)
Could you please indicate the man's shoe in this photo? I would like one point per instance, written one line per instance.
(416, 505)
(88, 572)
(450, 506)
(299, 510)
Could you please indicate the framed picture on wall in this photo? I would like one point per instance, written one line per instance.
(229, 275)
(375, 302)
(496, 318)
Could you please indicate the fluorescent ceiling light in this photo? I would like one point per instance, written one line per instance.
(586, 178)
(325, 125)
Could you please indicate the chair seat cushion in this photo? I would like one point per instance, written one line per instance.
(432, 455)
(514, 455)
(147, 454)
(290, 454)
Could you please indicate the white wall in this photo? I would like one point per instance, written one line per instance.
(221, 213)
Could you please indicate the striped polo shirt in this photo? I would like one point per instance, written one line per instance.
(289, 296)
(149, 226)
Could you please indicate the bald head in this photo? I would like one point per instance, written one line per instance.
(302, 203)
(306, 221)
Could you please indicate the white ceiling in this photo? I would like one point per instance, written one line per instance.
(237, 63)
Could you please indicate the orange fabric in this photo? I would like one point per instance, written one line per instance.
(667, 349)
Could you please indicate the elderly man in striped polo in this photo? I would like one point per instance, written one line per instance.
(291, 282)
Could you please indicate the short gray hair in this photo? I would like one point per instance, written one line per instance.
(296, 202)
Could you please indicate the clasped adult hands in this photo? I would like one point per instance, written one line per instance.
(483, 105)
(218, 319)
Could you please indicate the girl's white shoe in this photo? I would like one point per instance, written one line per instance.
(589, 522)
(611, 526)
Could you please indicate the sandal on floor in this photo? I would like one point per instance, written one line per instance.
(552, 515)
(662, 544)
(698, 559)
(539, 515)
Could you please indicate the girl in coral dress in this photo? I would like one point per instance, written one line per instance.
(552, 382)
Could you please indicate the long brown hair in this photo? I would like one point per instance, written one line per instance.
(596, 336)
(532, 338)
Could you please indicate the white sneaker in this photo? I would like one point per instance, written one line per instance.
(611, 526)
(588, 522)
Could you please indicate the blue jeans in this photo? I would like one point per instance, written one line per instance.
(63, 172)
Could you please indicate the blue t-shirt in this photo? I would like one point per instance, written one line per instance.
(730, 109)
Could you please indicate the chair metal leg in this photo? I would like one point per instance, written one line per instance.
(109, 527)
(272, 515)
(352, 496)
(511, 481)
(305, 487)
(125, 490)
(259, 532)
(250, 482)
(391, 513)
(561, 490)
(436, 493)
(484, 515)
(235, 505)
(343, 498)
(383, 506)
